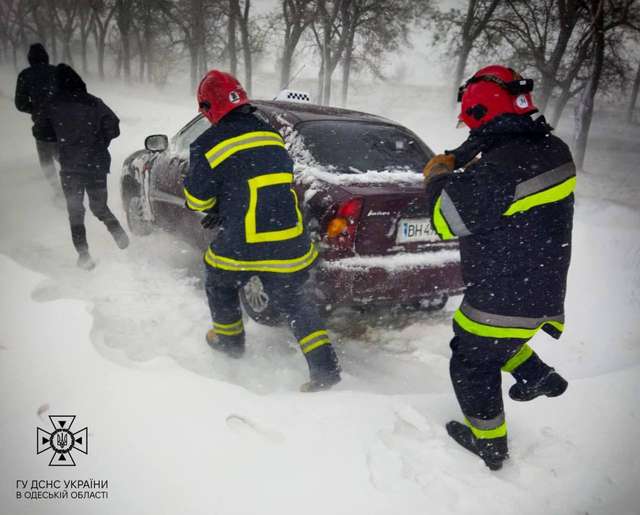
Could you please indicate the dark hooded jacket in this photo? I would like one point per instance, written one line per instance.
(512, 211)
(34, 89)
(83, 124)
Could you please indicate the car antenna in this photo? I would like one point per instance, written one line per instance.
(291, 79)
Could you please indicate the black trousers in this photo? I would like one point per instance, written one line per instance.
(287, 296)
(74, 186)
(475, 367)
(47, 155)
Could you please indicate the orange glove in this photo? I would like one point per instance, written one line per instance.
(442, 163)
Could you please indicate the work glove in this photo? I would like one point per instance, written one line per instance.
(211, 220)
(437, 165)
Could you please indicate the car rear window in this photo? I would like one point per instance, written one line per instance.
(358, 147)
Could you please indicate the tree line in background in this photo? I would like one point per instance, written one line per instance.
(146, 39)
(576, 49)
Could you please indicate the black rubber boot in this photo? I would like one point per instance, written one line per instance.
(232, 348)
(79, 238)
(85, 261)
(551, 385)
(493, 451)
(324, 369)
(118, 233)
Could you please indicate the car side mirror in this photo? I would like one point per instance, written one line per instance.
(156, 143)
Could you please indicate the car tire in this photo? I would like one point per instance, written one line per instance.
(434, 304)
(256, 303)
(135, 219)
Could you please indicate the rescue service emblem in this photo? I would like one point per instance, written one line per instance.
(62, 441)
(234, 97)
(522, 102)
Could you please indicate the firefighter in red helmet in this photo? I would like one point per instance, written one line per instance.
(510, 204)
(241, 175)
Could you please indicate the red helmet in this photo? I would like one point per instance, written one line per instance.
(218, 94)
(492, 91)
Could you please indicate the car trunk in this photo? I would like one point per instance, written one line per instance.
(393, 219)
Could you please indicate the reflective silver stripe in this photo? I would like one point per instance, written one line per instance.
(494, 320)
(451, 215)
(264, 140)
(485, 425)
(545, 180)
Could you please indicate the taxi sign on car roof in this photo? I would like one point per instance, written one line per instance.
(289, 95)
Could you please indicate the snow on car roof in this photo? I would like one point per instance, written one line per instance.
(305, 112)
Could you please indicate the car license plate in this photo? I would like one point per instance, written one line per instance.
(415, 230)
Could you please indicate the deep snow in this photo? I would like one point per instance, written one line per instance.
(175, 429)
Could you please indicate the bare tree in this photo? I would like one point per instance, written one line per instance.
(66, 18)
(231, 37)
(124, 20)
(540, 31)
(13, 15)
(634, 95)
(584, 113)
(463, 29)
(331, 38)
(103, 14)
(196, 20)
(240, 11)
(376, 28)
(85, 25)
(604, 16)
(297, 15)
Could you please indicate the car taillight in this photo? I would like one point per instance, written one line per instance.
(341, 229)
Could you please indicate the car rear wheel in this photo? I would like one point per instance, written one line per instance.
(256, 302)
(135, 217)
(434, 303)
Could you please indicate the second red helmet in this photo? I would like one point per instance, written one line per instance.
(218, 94)
(492, 91)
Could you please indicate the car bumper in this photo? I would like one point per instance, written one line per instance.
(397, 279)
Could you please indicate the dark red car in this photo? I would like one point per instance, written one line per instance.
(360, 183)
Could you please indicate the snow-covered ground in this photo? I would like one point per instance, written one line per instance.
(175, 429)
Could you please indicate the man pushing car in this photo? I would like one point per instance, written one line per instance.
(241, 175)
(512, 209)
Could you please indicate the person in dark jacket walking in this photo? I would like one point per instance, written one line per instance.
(84, 127)
(34, 89)
(241, 174)
(512, 210)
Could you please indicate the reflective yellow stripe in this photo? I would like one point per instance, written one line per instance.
(440, 223)
(311, 336)
(499, 332)
(485, 434)
(518, 358)
(283, 266)
(230, 146)
(554, 194)
(250, 219)
(229, 329)
(314, 346)
(196, 204)
(228, 326)
(314, 340)
(229, 332)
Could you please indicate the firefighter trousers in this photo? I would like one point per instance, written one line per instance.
(284, 293)
(475, 367)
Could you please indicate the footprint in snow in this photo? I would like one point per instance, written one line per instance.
(247, 428)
